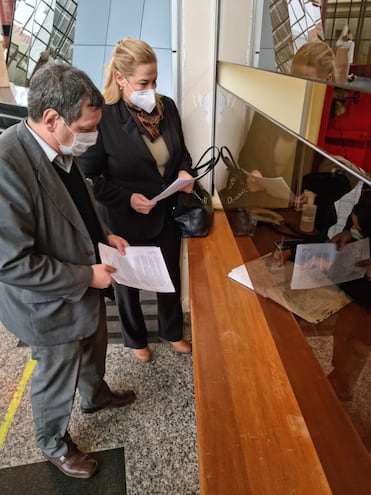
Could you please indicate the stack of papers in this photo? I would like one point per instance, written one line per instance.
(269, 280)
(141, 267)
(321, 264)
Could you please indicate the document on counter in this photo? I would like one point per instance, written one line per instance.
(274, 186)
(141, 267)
(240, 274)
(321, 264)
(175, 186)
(273, 282)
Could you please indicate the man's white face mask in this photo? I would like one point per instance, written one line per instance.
(82, 141)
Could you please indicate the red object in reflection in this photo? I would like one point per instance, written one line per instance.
(346, 125)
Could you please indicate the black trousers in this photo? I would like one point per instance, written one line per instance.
(170, 315)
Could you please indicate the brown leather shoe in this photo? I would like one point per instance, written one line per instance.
(119, 398)
(75, 463)
(182, 346)
(143, 355)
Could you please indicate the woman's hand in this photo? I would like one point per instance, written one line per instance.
(185, 175)
(141, 204)
(341, 239)
(117, 242)
(252, 184)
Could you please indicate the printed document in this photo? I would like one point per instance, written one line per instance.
(141, 267)
(319, 265)
(272, 281)
(175, 186)
(274, 186)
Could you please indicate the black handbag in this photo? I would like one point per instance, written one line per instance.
(194, 212)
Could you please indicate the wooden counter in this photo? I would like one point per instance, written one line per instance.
(254, 374)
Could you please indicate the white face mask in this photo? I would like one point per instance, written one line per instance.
(82, 141)
(144, 99)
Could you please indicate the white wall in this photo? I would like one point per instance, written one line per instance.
(197, 72)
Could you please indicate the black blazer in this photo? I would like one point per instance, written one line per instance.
(120, 164)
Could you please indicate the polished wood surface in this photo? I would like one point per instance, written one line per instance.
(252, 437)
(268, 421)
(343, 455)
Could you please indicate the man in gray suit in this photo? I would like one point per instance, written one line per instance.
(51, 278)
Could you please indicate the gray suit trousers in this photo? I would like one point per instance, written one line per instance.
(59, 371)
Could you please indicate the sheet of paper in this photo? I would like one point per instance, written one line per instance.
(175, 186)
(319, 265)
(142, 267)
(274, 186)
(240, 274)
(273, 281)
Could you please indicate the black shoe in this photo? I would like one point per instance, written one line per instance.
(119, 398)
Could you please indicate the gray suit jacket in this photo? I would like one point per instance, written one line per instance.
(45, 249)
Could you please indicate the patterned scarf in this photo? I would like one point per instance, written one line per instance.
(147, 123)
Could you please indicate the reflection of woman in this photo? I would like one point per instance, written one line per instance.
(140, 151)
(344, 55)
(315, 60)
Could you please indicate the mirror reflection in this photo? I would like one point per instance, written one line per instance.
(281, 27)
(271, 175)
(313, 244)
(41, 30)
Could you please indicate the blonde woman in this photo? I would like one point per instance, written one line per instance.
(139, 152)
(315, 60)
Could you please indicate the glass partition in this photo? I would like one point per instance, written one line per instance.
(298, 268)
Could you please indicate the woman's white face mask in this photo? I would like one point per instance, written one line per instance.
(144, 99)
(82, 141)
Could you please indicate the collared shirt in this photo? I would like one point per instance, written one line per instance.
(64, 162)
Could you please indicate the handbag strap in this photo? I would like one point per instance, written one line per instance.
(210, 164)
(227, 157)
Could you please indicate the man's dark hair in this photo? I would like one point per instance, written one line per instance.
(63, 88)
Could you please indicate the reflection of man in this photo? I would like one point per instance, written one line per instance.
(50, 273)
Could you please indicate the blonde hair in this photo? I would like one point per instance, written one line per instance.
(128, 55)
(317, 55)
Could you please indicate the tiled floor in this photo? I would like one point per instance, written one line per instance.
(152, 442)
(359, 409)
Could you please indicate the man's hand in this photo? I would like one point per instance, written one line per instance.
(102, 276)
(341, 239)
(141, 204)
(118, 242)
